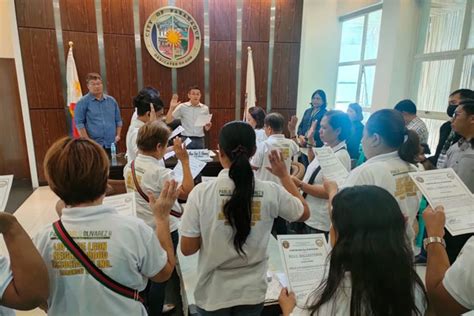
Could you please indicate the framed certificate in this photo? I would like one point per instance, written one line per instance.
(304, 259)
(443, 187)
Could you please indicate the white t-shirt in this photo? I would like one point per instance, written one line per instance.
(260, 160)
(340, 304)
(131, 139)
(188, 114)
(319, 213)
(226, 279)
(151, 176)
(123, 247)
(6, 277)
(390, 172)
(260, 135)
(459, 279)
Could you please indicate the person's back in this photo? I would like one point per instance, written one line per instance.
(125, 248)
(276, 140)
(229, 221)
(122, 247)
(390, 172)
(218, 260)
(392, 150)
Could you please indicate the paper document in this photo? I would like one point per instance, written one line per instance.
(304, 261)
(331, 167)
(443, 187)
(5, 186)
(273, 289)
(178, 130)
(170, 154)
(195, 165)
(201, 154)
(123, 203)
(202, 120)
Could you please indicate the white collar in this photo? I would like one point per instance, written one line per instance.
(88, 211)
(277, 136)
(339, 146)
(147, 158)
(383, 157)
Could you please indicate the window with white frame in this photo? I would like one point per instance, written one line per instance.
(357, 58)
(444, 60)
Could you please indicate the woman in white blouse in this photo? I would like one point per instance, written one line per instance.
(371, 269)
(229, 221)
(335, 129)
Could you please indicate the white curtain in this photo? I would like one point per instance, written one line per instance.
(467, 73)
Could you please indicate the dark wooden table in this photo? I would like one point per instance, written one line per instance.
(211, 169)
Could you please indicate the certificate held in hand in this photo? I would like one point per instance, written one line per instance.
(304, 259)
(443, 187)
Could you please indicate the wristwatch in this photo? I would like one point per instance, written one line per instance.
(431, 240)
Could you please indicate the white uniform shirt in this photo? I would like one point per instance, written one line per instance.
(319, 213)
(188, 114)
(340, 304)
(260, 136)
(131, 139)
(6, 277)
(390, 172)
(260, 160)
(151, 176)
(226, 279)
(459, 279)
(123, 247)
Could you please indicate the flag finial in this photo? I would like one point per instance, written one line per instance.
(71, 44)
(249, 48)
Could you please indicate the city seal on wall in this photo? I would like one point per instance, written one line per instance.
(172, 37)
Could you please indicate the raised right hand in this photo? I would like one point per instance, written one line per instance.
(174, 102)
(161, 207)
(180, 150)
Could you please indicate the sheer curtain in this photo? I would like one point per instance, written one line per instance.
(467, 73)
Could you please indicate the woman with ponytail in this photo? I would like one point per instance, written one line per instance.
(391, 151)
(230, 219)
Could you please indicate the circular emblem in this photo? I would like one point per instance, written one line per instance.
(172, 37)
(3, 183)
(319, 242)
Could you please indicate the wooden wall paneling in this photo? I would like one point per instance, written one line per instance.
(41, 67)
(154, 74)
(256, 20)
(78, 15)
(222, 75)
(285, 75)
(147, 7)
(126, 114)
(47, 126)
(219, 118)
(86, 54)
(287, 113)
(117, 16)
(260, 67)
(288, 19)
(13, 154)
(223, 20)
(192, 74)
(121, 68)
(35, 13)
